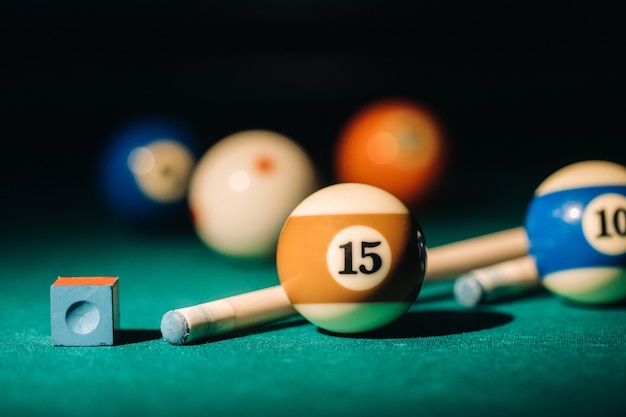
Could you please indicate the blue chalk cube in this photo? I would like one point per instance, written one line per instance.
(84, 311)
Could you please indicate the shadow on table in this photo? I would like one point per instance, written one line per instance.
(128, 336)
(410, 325)
(434, 323)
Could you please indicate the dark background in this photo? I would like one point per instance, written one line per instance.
(523, 88)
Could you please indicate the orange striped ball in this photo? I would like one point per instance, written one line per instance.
(351, 258)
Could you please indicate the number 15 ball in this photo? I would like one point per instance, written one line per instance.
(351, 258)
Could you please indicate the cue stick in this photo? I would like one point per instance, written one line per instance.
(453, 259)
(225, 315)
(502, 280)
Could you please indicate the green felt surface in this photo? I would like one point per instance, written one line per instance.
(527, 357)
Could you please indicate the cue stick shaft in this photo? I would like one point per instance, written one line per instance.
(453, 259)
(225, 315)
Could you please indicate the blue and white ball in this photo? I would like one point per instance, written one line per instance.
(576, 225)
(145, 169)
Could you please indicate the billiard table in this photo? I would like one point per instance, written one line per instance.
(530, 355)
(522, 91)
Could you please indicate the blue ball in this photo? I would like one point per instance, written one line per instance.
(576, 226)
(145, 169)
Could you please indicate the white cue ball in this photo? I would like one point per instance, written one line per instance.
(243, 189)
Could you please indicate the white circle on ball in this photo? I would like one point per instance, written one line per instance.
(162, 169)
(604, 224)
(358, 258)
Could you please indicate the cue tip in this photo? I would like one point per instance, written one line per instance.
(175, 327)
(468, 291)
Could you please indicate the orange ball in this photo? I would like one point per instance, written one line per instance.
(396, 145)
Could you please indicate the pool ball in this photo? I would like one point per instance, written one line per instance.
(243, 189)
(576, 225)
(351, 258)
(144, 170)
(396, 145)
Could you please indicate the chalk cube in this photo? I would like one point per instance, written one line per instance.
(84, 311)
